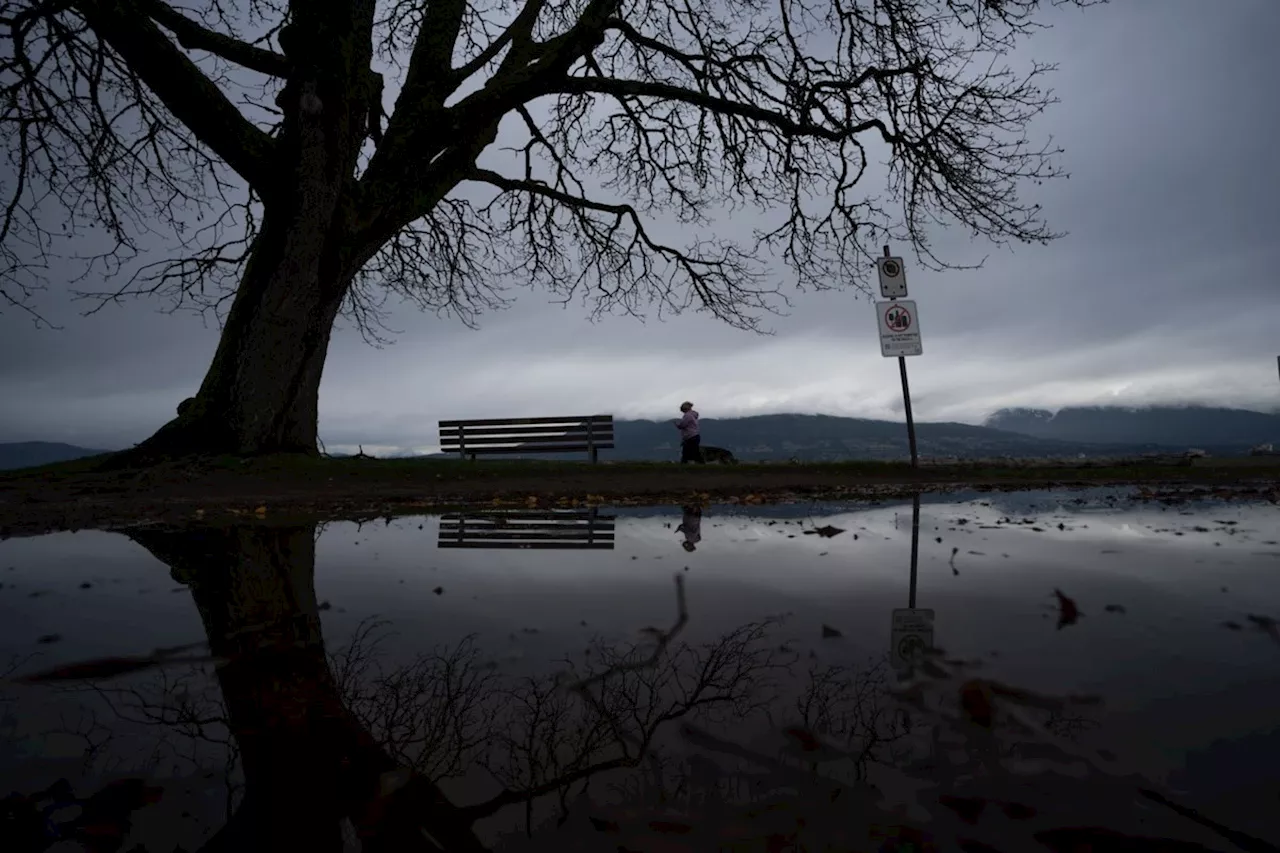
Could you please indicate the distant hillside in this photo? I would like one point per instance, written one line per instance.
(28, 454)
(1017, 433)
(1214, 429)
(830, 438)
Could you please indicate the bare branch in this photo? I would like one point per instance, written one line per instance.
(193, 36)
(663, 639)
(685, 156)
(187, 93)
(614, 248)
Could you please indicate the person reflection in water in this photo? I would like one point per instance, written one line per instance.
(691, 527)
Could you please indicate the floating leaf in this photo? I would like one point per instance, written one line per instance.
(1068, 613)
(803, 737)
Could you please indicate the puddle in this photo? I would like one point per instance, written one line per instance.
(1101, 663)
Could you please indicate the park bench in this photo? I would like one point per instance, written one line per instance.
(580, 529)
(591, 433)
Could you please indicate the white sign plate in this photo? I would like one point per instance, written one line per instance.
(911, 634)
(899, 328)
(893, 277)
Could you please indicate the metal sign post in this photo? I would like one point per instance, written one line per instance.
(899, 332)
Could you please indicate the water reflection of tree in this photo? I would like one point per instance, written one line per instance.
(322, 737)
(850, 707)
(448, 710)
(342, 734)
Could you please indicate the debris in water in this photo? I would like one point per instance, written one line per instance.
(1115, 608)
(828, 632)
(102, 668)
(1267, 624)
(968, 809)
(1068, 613)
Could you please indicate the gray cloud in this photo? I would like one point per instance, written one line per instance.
(1163, 291)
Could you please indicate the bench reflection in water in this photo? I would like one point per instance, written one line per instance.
(544, 529)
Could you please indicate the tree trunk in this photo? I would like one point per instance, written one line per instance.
(261, 392)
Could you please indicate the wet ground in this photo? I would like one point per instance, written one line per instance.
(1050, 670)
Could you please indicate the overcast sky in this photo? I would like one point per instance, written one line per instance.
(1165, 289)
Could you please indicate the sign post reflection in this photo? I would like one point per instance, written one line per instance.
(911, 628)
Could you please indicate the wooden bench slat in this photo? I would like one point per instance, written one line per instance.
(554, 448)
(505, 536)
(482, 527)
(531, 546)
(530, 515)
(520, 421)
(576, 438)
(486, 524)
(454, 432)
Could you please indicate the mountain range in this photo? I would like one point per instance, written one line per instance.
(27, 454)
(1010, 433)
(1193, 426)
(1019, 433)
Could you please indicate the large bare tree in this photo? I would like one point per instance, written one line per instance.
(256, 134)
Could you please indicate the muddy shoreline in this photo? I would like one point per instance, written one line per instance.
(54, 500)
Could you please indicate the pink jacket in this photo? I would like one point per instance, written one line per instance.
(688, 425)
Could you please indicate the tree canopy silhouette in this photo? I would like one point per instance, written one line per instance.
(310, 159)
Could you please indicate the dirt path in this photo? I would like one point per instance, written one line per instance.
(68, 499)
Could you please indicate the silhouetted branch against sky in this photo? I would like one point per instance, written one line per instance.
(593, 148)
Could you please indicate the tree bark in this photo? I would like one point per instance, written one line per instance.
(261, 392)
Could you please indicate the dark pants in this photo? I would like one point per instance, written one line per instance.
(691, 450)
